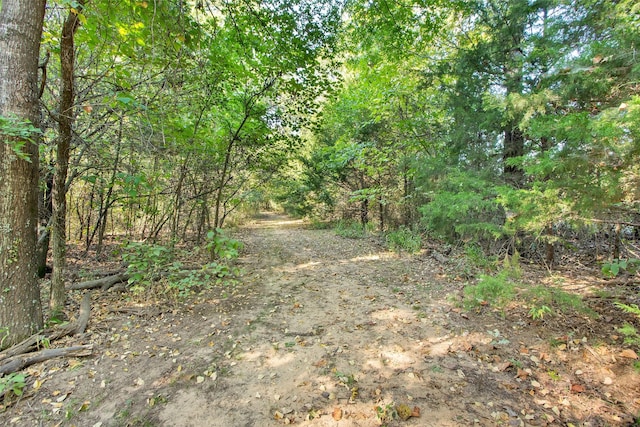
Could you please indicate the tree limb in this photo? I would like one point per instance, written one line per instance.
(103, 283)
(21, 362)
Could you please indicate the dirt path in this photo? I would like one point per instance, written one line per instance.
(334, 325)
(321, 331)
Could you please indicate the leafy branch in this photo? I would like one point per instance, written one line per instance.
(17, 133)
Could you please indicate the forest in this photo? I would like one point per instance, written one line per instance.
(505, 131)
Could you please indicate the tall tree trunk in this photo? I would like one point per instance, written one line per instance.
(101, 225)
(513, 72)
(45, 212)
(513, 147)
(20, 32)
(67, 97)
(177, 204)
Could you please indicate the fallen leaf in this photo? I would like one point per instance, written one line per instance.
(522, 374)
(504, 366)
(628, 354)
(415, 412)
(337, 414)
(577, 388)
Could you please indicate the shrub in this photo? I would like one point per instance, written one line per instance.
(147, 263)
(404, 240)
(496, 290)
(13, 383)
(351, 229)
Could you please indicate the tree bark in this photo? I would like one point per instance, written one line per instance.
(65, 122)
(45, 209)
(21, 24)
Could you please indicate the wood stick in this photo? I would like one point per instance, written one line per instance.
(22, 361)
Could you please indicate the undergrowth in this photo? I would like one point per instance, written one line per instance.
(352, 229)
(404, 240)
(505, 288)
(630, 332)
(148, 264)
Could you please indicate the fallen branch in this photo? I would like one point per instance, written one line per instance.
(85, 312)
(36, 340)
(22, 347)
(21, 362)
(622, 281)
(103, 283)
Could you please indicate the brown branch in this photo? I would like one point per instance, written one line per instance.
(103, 283)
(85, 312)
(21, 362)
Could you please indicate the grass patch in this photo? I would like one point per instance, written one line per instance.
(404, 240)
(351, 229)
(554, 299)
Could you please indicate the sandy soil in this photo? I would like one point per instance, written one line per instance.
(327, 331)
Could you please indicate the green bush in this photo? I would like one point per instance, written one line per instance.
(550, 298)
(496, 291)
(221, 246)
(613, 268)
(463, 206)
(404, 239)
(148, 263)
(351, 229)
(13, 383)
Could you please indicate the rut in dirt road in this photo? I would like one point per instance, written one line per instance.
(338, 332)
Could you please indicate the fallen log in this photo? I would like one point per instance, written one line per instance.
(22, 347)
(36, 340)
(103, 283)
(20, 362)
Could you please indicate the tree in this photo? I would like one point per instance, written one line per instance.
(65, 127)
(21, 23)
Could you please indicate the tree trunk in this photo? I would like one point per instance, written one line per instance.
(364, 212)
(65, 127)
(45, 212)
(513, 147)
(513, 75)
(550, 251)
(20, 32)
(108, 202)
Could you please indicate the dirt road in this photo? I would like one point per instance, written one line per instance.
(333, 329)
(319, 331)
